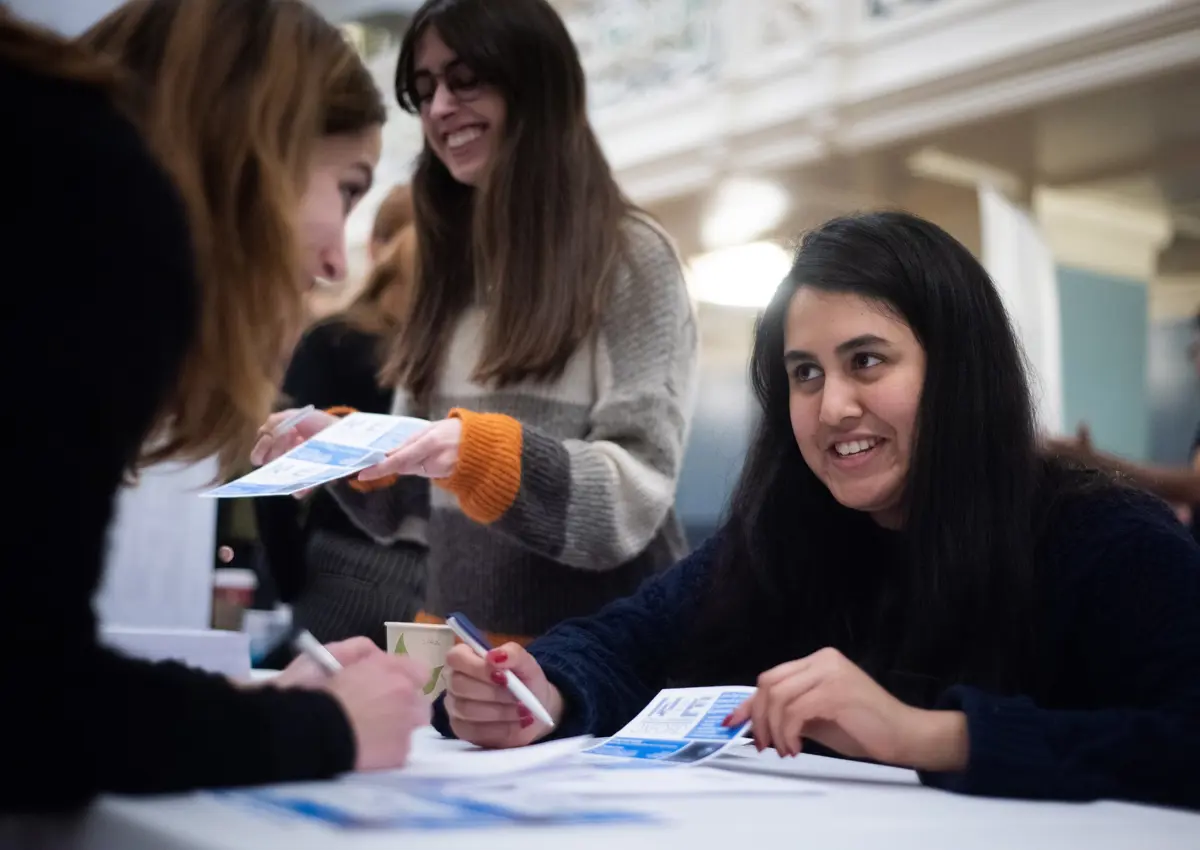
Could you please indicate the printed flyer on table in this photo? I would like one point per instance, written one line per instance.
(680, 726)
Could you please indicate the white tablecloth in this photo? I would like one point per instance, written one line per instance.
(866, 807)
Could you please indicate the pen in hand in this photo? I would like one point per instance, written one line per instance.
(305, 643)
(292, 421)
(465, 630)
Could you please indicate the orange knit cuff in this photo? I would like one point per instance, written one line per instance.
(355, 484)
(487, 478)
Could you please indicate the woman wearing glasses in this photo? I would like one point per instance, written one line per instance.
(551, 337)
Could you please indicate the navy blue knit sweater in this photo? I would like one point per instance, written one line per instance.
(1120, 713)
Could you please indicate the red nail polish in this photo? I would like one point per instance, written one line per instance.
(526, 722)
(728, 721)
(523, 712)
(497, 657)
(499, 678)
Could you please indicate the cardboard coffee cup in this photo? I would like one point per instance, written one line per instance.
(426, 643)
(233, 593)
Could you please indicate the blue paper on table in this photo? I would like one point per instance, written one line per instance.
(681, 726)
(434, 806)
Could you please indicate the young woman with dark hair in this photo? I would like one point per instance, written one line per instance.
(551, 337)
(901, 573)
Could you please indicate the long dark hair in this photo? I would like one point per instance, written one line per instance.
(953, 599)
(543, 234)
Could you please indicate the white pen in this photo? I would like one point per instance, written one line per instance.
(473, 638)
(305, 643)
(292, 421)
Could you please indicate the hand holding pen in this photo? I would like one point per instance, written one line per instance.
(482, 707)
(379, 693)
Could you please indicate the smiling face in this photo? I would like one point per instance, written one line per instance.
(462, 117)
(855, 374)
(343, 168)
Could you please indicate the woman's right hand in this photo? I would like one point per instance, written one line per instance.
(483, 711)
(271, 445)
(382, 698)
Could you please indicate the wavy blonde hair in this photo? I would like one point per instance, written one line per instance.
(382, 304)
(232, 95)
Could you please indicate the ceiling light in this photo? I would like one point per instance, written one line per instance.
(742, 276)
(741, 210)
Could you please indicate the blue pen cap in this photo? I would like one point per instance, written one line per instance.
(467, 626)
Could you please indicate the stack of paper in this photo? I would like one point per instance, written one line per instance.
(455, 785)
(454, 789)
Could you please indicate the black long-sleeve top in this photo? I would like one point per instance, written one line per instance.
(100, 305)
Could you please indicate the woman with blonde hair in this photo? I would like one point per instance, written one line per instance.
(339, 582)
(172, 266)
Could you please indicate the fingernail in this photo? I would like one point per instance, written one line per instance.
(499, 678)
(728, 721)
(523, 712)
(526, 722)
(497, 656)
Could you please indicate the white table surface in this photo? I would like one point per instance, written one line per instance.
(866, 807)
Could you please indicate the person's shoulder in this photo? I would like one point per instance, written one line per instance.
(54, 115)
(1095, 521)
(335, 333)
(651, 281)
(647, 243)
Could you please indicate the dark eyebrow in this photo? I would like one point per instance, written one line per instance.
(845, 348)
(428, 72)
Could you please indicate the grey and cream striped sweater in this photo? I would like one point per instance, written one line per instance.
(563, 496)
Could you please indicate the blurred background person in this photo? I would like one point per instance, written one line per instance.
(171, 311)
(339, 582)
(1180, 486)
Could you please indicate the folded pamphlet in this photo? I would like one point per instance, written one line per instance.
(681, 726)
(351, 445)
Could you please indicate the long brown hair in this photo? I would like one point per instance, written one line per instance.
(232, 95)
(540, 240)
(394, 214)
(385, 300)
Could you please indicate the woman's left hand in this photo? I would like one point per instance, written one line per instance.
(431, 454)
(827, 698)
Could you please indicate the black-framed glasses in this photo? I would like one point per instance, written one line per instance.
(459, 79)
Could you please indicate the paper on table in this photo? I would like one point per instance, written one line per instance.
(446, 785)
(344, 448)
(352, 805)
(815, 768)
(621, 778)
(426, 763)
(680, 726)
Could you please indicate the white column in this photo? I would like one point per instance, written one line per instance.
(1022, 265)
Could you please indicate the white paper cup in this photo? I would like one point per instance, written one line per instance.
(426, 643)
